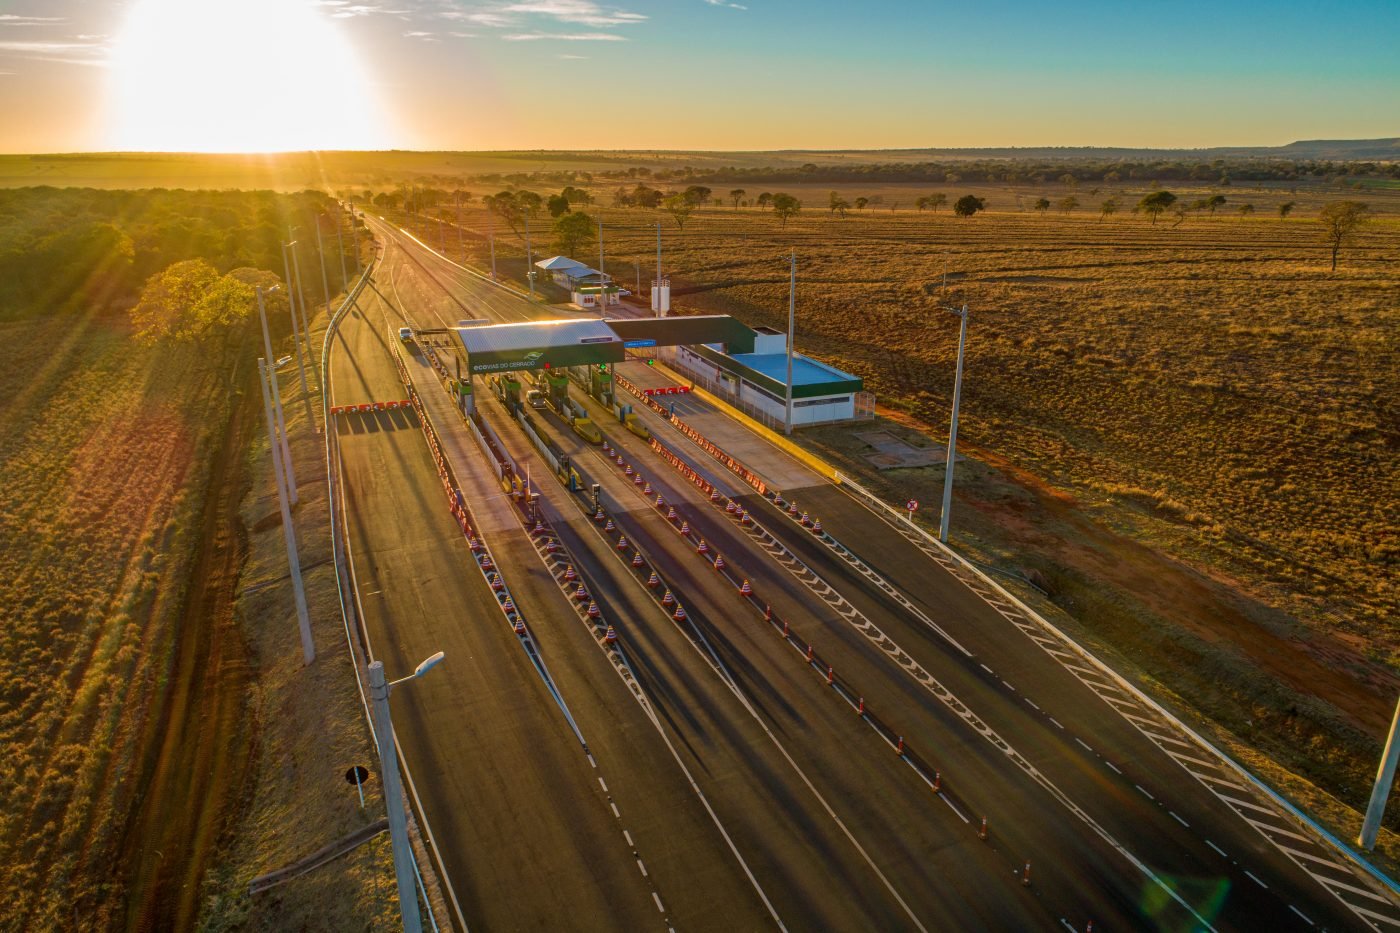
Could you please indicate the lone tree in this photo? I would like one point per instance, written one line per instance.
(1214, 202)
(1068, 204)
(936, 201)
(1108, 207)
(1285, 209)
(1245, 210)
(785, 206)
(1042, 205)
(1339, 222)
(572, 232)
(736, 196)
(680, 208)
(861, 202)
(764, 200)
(969, 204)
(1155, 203)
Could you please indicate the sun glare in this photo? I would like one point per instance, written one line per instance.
(237, 76)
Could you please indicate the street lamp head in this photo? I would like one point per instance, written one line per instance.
(428, 664)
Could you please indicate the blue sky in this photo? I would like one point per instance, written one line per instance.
(750, 74)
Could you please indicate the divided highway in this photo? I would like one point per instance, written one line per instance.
(700, 774)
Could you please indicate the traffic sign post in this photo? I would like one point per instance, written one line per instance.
(913, 506)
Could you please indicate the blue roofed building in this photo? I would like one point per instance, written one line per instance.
(755, 382)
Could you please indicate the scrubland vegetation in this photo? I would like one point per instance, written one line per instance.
(107, 447)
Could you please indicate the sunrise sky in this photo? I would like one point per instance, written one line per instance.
(252, 75)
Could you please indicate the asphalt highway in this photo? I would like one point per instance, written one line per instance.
(746, 786)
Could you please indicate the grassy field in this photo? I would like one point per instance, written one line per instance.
(1185, 433)
(133, 690)
(105, 448)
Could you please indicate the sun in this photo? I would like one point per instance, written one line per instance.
(237, 76)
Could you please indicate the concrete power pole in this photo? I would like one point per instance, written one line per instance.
(393, 800)
(271, 380)
(296, 342)
(953, 431)
(792, 328)
(1385, 777)
(529, 258)
(308, 646)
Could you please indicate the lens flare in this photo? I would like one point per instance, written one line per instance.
(245, 76)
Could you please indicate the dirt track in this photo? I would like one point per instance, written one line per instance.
(199, 741)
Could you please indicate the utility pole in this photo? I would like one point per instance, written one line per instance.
(340, 246)
(953, 429)
(529, 258)
(325, 280)
(296, 343)
(1385, 777)
(301, 291)
(393, 800)
(271, 380)
(461, 248)
(491, 238)
(792, 328)
(602, 276)
(308, 646)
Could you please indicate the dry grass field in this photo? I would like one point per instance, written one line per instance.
(104, 450)
(1186, 434)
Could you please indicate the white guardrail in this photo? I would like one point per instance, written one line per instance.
(902, 520)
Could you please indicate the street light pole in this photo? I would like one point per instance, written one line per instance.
(270, 380)
(1385, 777)
(340, 245)
(308, 646)
(301, 291)
(792, 322)
(602, 276)
(379, 689)
(953, 428)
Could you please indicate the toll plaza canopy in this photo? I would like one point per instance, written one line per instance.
(546, 344)
(539, 345)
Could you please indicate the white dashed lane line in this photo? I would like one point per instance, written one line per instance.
(1179, 819)
(1217, 848)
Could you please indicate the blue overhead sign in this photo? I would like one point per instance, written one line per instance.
(639, 343)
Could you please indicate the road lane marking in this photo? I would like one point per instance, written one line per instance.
(1217, 849)
(1146, 793)
(1179, 819)
(659, 908)
(1112, 765)
(1301, 914)
(1255, 878)
(1085, 744)
(602, 784)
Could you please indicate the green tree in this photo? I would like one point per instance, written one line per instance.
(737, 195)
(785, 206)
(1068, 204)
(697, 195)
(643, 196)
(576, 195)
(1285, 209)
(386, 200)
(1108, 207)
(861, 202)
(529, 202)
(189, 299)
(936, 201)
(1041, 206)
(505, 206)
(1068, 179)
(765, 200)
(680, 208)
(1244, 210)
(969, 204)
(572, 232)
(1155, 203)
(1214, 202)
(1340, 220)
(558, 205)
